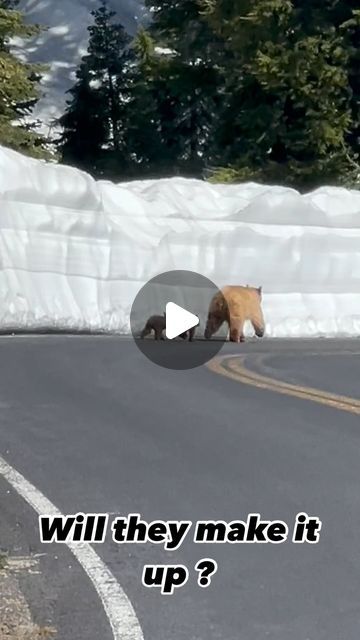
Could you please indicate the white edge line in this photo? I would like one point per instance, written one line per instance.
(118, 608)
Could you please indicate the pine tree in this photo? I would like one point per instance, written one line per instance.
(187, 82)
(9, 4)
(19, 90)
(346, 19)
(108, 59)
(85, 130)
(99, 102)
(143, 129)
(288, 111)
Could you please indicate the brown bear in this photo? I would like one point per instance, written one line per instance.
(235, 305)
(156, 324)
(190, 333)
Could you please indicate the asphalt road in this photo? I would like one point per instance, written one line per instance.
(97, 428)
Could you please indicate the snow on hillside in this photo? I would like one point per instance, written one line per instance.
(64, 43)
(74, 252)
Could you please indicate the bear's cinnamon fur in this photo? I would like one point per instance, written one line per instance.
(235, 305)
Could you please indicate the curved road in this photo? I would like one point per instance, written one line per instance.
(97, 428)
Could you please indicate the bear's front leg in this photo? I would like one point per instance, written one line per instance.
(234, 336)
(236, 330)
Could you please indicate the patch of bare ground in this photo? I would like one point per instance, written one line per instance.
(16, 621)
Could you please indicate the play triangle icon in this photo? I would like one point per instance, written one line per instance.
(178, 320)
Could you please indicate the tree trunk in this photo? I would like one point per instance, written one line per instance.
(113, 114)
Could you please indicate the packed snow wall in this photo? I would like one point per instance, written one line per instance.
(74, 252)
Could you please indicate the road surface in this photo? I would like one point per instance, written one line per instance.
(95, 427)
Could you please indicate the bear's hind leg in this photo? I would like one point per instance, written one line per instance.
(159, 334)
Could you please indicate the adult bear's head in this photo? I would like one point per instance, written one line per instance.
(217, 314)
(213, 324)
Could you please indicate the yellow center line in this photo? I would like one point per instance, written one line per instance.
(233, 367)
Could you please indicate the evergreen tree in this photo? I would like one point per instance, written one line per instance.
(288, 111)
(18, 86)
(85, 129)
(98, 106)
(9, 4)
(187, 82)
(143, 125)
(108, 59)
(346, 19)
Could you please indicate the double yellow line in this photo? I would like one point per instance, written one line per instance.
(233, 367)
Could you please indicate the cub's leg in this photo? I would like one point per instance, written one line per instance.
(191, 334)
(159, 334)
(145, 332)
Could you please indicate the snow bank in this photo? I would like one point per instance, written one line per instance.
(74, 252)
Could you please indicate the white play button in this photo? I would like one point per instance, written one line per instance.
(178, 320)
(188, 291)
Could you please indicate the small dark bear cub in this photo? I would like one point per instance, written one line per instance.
(190, 333)
(157, 324)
